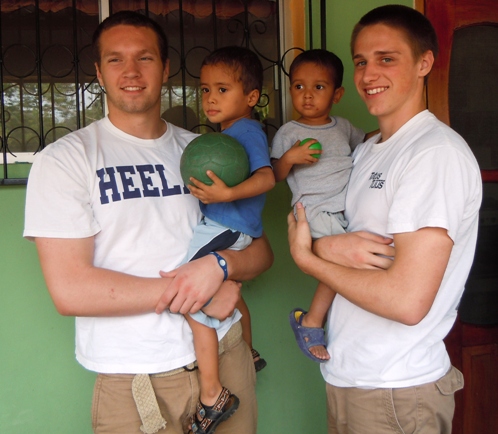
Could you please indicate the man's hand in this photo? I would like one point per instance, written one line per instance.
(215, 193)
(300, 242)
(356, 250)
(192, 286)
(196, 282)
(361, 250)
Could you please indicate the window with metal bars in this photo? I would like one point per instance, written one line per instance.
(48, 84)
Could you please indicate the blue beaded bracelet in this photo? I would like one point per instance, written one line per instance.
(222, 263)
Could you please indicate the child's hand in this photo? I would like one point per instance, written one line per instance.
(215, 193)
(302, 154)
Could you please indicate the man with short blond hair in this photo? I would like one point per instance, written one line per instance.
(417, 183)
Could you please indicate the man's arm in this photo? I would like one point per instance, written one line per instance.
(356, 250)
(186, 295)
(78, 288)
(404, 292)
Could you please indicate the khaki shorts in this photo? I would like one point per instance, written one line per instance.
(114, 410)
(427, 408)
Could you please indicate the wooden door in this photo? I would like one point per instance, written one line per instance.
(446, 17)
(472, 344)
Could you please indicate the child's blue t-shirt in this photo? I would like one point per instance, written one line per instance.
(244, 215)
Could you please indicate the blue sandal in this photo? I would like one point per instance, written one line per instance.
(306, 337)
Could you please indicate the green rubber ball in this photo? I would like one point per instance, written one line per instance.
(217, 152)
(316, 145)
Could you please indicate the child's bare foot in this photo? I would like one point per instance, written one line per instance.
(320, 352)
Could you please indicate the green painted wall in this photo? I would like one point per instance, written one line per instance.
(42, 388)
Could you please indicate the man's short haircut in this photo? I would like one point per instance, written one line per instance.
(129, 18)
(244, 63)
(420, 33)
(323, 58)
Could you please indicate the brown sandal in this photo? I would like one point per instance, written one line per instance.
(259, 363)
(205, 420)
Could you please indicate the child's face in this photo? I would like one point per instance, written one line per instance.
(313, 93)
(223, 98)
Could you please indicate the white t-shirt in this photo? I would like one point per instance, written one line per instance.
(128, 194)
(425, 175)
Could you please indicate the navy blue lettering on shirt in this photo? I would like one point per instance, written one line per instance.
(129, 191)
(377, 182)
(144, 180)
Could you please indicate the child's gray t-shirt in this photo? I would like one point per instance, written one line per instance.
(321, 186)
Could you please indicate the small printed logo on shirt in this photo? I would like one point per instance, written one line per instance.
(376, 181)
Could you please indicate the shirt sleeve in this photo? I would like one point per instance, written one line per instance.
(58, 200)
(433, 190)
(257, 149)
(279, 144)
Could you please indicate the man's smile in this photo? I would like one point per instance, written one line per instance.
(375, 90)
(132, 88)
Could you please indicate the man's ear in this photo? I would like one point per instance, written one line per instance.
(99, 75)
(166, 71)
(426, 62)
(253, 97)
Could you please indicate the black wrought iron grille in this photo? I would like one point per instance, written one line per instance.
(48, 83)
(194, 29)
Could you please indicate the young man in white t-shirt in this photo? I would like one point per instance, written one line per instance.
(107, 209)
(417, 183)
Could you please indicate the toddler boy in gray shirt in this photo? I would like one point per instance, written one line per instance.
(317, 178)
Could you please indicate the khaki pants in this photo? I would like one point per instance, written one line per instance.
(114, 410)
(427, 408)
